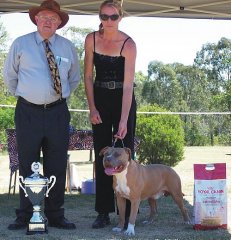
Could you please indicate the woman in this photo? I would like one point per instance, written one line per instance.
(110, 98)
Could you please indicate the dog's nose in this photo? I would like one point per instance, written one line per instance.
(107, 162)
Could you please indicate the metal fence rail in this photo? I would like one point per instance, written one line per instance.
(138, 112)
(200, 128)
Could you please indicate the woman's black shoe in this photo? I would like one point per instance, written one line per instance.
(101, 221)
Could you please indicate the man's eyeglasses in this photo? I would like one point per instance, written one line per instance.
(105, 17)
(46, 18)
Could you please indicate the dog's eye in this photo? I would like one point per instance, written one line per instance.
(116, 154)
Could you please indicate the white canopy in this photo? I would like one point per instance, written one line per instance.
(201, 9)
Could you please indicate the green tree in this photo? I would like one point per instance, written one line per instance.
(193, 85)
(195, 98)
(3, 49)
(140, 79)
(78, 98)
(6, 114)
(215, 60)
(162, 87)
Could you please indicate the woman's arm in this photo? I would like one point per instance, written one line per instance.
(88, 79)
(129, 53)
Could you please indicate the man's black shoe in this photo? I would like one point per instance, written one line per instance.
(61, 222)
(19, 223)
(101, 221)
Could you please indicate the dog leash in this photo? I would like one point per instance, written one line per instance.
(114, 142)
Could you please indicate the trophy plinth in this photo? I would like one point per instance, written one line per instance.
(36, 188)
(36, 227)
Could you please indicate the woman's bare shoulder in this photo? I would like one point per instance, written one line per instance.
(129, 46)
(90, 36)
(127, 38)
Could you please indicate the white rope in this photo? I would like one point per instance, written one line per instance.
(9, 106)
(78, 110)
(151, 113)
(187, 113)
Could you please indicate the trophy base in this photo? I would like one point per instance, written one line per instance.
(36, 228)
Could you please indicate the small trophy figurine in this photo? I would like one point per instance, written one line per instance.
(36, 188)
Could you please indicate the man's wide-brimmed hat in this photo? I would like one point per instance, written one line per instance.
(50, 5)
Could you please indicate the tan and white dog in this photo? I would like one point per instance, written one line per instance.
(137, 182)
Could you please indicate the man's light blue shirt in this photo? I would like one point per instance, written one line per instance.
(27, 74)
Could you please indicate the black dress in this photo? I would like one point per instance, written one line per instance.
(109, 104)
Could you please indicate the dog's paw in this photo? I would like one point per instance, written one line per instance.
(188, 222)
(117, 229)
(147, 222)
(130, 230)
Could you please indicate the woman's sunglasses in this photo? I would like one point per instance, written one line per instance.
(105, 17)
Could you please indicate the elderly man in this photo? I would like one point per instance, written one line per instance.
(42, 70)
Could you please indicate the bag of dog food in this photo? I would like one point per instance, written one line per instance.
(210, 196)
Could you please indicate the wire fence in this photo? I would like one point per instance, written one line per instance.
(138, 112)
(200, 128)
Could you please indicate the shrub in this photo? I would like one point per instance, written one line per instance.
(6, 121)
(161, 135)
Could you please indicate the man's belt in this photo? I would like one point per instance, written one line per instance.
(109, 85)
(49, 105)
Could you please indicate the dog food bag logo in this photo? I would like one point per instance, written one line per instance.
(210, 196)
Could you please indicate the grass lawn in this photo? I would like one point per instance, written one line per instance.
(168, 223)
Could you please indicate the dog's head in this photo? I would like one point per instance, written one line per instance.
(115, 160)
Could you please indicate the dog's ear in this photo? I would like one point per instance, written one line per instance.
(128, 151)
(102, 151)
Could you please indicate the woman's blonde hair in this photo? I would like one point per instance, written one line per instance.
(111, 3)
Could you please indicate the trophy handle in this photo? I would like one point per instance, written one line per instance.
(54, 180)
(21, 180)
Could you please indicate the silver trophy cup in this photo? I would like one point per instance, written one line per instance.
(36, 187)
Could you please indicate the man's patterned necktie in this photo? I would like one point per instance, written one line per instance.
(53, 68)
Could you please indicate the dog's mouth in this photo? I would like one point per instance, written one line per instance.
(113, 170)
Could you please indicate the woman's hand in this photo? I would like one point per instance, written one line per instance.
(95, 117)
(122, 131)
